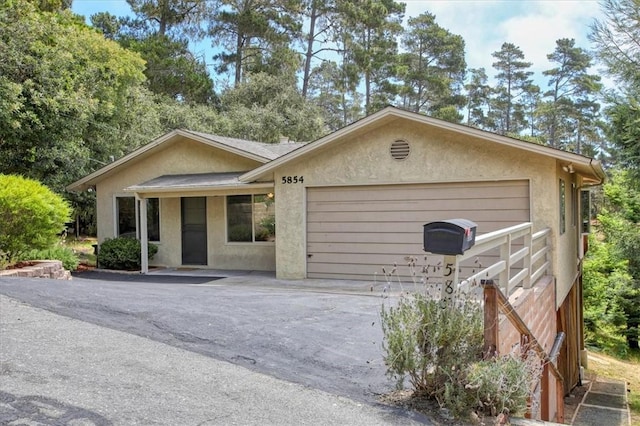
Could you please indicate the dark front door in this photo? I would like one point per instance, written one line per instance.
(194, 231)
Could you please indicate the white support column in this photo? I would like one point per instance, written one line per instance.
(144, 236)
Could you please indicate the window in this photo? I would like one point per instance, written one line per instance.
(153, 219)
(585, 211)
(127, 214)
(250, 218)
(563, 207)
(126, 208)
(574, 205)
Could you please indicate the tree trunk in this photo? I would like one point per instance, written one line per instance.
(309, 54)
(238, 77)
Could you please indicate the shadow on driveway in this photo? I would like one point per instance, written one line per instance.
(142, 278)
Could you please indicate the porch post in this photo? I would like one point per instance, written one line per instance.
(491, 319)
(144, 236)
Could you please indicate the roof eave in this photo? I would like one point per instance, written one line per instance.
(194, 188)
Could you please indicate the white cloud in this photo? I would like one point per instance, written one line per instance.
(534, 26)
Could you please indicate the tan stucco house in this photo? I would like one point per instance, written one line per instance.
(341, 206)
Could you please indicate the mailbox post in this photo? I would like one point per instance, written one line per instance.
(449, 238)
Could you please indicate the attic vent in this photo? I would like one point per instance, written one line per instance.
(400, 150)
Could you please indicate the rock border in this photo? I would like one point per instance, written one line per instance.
(41, 269)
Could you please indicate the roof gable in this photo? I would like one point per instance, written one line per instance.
(588, 167)
(257, 151)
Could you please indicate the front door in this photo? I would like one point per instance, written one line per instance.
(194, 231)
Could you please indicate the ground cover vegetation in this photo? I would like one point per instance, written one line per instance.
(74, 96)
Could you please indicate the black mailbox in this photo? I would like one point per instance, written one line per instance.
(453, 236)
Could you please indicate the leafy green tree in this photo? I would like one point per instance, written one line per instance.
(265, 107)
(64, 98)
(171, 68)
(624, 131)
(617, 43)
(330, 90)
(321, 16)
(432, 66)
(605, 277)
(514, 81)
(173, 71)
(617, 40)
(183, 17)
(51, 5)
(251, 30)
(31, 215)
(478, 98)
(570, 106)
(369, 29)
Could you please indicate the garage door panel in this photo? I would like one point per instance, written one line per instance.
(453, 191)
(391, 217)
(421, 205)
(353, 232)
(367, 248)
(362, 237)
(366, 227)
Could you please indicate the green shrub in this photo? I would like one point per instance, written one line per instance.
(438, 346)
(31, 215)
(122, 253)
(431, 343)
(64, 254)
(503, 384)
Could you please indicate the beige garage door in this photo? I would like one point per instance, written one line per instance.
(353, 231)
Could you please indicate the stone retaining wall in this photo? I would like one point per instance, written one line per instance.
(41, 269)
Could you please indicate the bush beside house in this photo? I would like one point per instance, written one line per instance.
(32, 217)
(122, 253)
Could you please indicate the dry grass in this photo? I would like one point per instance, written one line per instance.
(627, 370)
(83, 247)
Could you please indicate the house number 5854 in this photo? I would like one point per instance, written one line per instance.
(292, 179)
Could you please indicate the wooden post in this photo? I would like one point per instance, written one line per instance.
(544, 393)
(560, 402)
(490, 318)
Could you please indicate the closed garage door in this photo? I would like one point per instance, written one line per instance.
(353, 231)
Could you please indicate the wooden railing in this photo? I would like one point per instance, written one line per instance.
(495, 302)
(532, 251)
(518, 258)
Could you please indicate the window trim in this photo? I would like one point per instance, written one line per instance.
(562, 201)
(253, 222)
(116, 216)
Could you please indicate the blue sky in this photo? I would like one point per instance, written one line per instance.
(534, 26)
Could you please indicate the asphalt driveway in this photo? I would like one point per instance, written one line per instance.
(325, 337)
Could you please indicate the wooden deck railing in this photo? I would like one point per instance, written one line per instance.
(520, 264)
(518, 257)
(494, 302)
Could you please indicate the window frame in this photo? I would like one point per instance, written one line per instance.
(562, 201)
(253, 219)
(116, 216)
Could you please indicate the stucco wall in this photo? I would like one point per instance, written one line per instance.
(436, 156)
(184, 156)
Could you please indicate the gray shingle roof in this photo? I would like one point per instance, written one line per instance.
(270, 151)
(189, 181)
